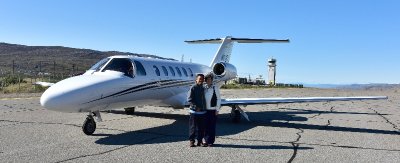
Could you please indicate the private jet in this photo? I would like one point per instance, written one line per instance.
(126, 82)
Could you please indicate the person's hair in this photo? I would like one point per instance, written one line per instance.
(209, 76)
(199, 75)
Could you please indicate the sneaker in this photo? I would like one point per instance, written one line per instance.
(205, 145)
(191, 144)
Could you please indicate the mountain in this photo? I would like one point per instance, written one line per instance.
(58, 60)
(371, 86)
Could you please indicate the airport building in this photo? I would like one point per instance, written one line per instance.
(272, 71)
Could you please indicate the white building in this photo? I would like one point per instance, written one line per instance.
(272, 71)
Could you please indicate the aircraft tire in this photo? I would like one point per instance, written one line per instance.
(89, 126)
(235, 116)
(130, 110)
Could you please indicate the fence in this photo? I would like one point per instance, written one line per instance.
(20, 76)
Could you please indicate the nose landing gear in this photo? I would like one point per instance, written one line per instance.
(89, 126)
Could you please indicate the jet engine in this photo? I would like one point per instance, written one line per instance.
(224, 71)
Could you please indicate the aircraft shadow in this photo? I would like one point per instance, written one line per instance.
(178, 130)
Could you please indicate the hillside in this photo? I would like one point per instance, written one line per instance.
(58, 60)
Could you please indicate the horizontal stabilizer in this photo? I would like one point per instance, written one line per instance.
(238, 40)
(224, 52)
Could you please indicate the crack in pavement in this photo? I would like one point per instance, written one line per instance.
(352, 120)
(47, 123)
(319, 113)
(75, 125)
(19, 110)
(315, 115)
(12, 124)
(117, 119)
(296, 145)
(53, 123)
(329, 120)
(328, 124)
(108, 151)
(387, 120)
(309, 144)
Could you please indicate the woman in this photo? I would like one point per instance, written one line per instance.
(213, 104)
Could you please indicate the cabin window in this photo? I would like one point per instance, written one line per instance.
(179, 71)
(184, 72)
(191, 72)
(165, 70)
(100, 64)
(140, 71)
(156, 70)
(172, 71)
(123, 65)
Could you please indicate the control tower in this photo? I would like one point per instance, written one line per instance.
(271, 71)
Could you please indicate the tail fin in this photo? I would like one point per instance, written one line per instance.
(224, 52)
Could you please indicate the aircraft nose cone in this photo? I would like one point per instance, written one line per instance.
(73, 94)
(60, 97)
(52, 101)
(48, 102)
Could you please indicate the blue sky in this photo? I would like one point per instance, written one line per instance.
(332, 42)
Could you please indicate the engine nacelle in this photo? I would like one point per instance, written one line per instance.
(224, 71)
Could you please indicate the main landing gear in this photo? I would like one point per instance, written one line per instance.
(89, 126)
(236, 114)
(130, 110)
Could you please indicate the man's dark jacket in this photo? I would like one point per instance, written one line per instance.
(196, 97)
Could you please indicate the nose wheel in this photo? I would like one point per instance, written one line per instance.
(89, 126)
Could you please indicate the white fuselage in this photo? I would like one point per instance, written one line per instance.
(165, 83)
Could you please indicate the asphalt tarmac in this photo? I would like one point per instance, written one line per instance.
(358, 131)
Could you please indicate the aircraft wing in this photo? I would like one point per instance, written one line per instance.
(279, 100)
(43, 84)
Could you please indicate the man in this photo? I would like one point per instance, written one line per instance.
(197, 111)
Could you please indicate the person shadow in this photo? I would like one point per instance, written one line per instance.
(178, 130)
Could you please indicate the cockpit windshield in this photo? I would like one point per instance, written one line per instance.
(98, 65)
(120, 64)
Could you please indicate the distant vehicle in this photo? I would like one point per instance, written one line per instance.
(127, 82)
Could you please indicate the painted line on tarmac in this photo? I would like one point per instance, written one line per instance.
(18, 98)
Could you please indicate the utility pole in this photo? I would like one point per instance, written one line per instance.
(62, 72)
(54, 69)
(40, 71)
(13, 67)
(40, 67)
(73, 69)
